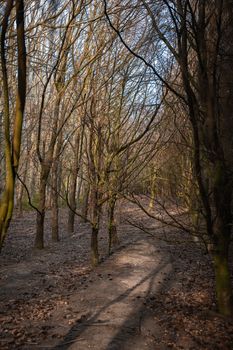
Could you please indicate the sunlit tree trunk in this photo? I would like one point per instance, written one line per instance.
(20, 198)
(12, 146)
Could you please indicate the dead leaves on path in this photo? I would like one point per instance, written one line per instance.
(186, 310)
(183, 311)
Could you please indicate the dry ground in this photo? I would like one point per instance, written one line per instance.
(149, 294)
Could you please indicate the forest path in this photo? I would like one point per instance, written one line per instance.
(54, 299)
(148, 295)
(114, 314)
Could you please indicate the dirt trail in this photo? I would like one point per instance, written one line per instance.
(54, 299)
(114, 315)
(148, 295)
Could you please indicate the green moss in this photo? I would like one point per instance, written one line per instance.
(223, 286)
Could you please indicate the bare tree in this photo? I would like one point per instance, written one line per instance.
(12, 145)
(195, 38)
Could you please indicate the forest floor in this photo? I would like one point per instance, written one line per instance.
(148, 295)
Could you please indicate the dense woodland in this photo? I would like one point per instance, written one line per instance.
(104, 102)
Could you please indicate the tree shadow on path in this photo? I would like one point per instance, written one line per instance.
(131, 328)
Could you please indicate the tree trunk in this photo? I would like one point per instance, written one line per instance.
(221, 242)
(112, 229)
(54, 212)
(113, 237)
(72, 203)
(85, 203)
(95, 220)
(73, 186)
(94, 245)
(12, 143)
(70, 225)
(39, 240)
(152, 190)
(21, 187)
(223, 283)
(56, 174)
(20, 200)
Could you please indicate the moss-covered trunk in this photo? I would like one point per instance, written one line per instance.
(12, 142)
(222, 226)
(223, 284)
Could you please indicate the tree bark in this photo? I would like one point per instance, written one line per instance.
(39, 239)
(55, 190)
(55, 207)
(72, 199)
(94, 245)
(112, 229)
(95, 220)
(223, 284)
(12, 145)
(85, 203)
